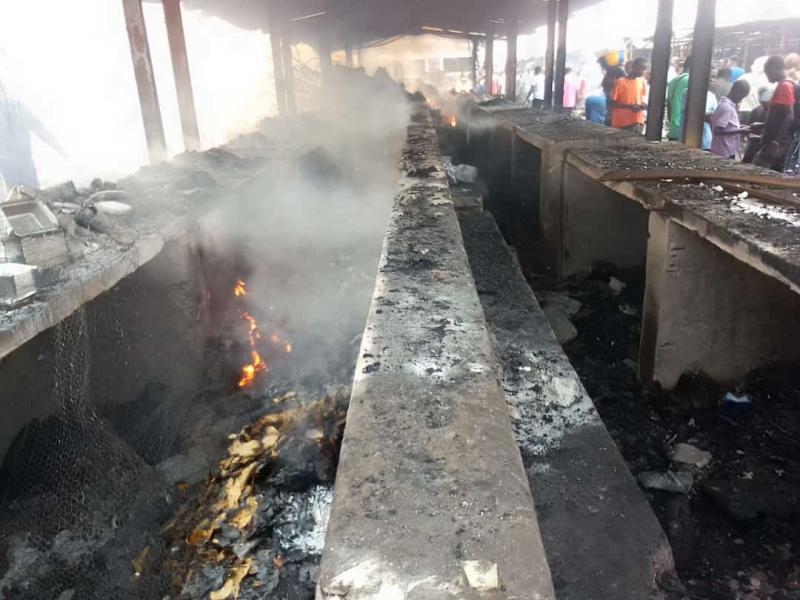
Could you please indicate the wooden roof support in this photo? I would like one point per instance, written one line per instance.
(145, 80)
(183, 78)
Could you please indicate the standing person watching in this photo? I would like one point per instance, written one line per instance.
(626, 102)
(725, 125)
(676, 92)
(778, 128)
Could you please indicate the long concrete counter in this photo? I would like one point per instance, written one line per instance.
(723, 267)
(431, 497)
(601, 538)
(534, 145)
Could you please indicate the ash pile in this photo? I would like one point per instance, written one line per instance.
(256, 528)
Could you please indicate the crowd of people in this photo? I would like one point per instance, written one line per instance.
(749, 116)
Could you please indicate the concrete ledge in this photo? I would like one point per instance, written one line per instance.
(601, 538)
(430, 479)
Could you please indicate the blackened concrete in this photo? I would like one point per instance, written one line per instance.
(429, 477)
(601, 538)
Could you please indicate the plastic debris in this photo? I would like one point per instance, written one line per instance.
(481, 575)
(686, 454)
(679, 482)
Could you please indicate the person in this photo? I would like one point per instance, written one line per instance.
(570, 92)
(725, 126)
(536, 94)
(627, 98)
(676, 93)
(792, 166)
(755, 119)
(777, 131)
(596, 108)
(611, 72)
(17, 123)
(735, 66)
(722, 83)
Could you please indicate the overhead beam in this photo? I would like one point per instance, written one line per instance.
(662, 45)
(549, 57)
(699, 72)
(183, 78)
(561, 53)
(145, 80)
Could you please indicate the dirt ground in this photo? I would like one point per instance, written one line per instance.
(735, 535)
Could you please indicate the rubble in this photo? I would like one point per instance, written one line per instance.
(258, 524)
(690, 456)
(677, 482)
(17, 283)
(563, 328)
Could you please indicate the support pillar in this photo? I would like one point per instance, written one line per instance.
(474, 63)
(700, 71)
(561, 53)
(277, 59)
(324, 50)
(145, 80)
(662, 45)
(489, 59)
(549, 57)
(348, 55)
(183, 79)
(288, 69)
(704, 310)
(511, 59)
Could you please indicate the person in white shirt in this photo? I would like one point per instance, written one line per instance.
(536, 94)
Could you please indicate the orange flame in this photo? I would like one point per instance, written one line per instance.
(453, 121)
(257, 364)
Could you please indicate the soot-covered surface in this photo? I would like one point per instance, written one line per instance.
(735, 533)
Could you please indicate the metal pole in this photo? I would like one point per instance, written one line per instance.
(145, 80)
(277, 59)
(288, 65)
(549, 57)
(511, 59)
(699, 72)
(662, 45)
(489, 58)
(474, 69)
(324, 50)
(183, 78)
(561, 52)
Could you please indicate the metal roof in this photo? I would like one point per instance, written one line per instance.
(360, 22)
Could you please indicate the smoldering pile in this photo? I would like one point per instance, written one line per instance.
(257, 526)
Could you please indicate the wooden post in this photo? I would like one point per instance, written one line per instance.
(511, 59)
(561, 53)
(145, 80)
(183, 78)
(662, 45)
(277, 58)
(699, 72)
(549, 57)
(348, 55)
(489, 59)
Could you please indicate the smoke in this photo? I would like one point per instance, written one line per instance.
(310, 238)
(69, 62)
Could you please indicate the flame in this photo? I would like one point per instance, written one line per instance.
(452, 121)
(257, 363)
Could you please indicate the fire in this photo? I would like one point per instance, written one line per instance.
(452, 121)
(257, 363)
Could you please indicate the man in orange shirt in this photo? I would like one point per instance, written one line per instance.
(627, 99)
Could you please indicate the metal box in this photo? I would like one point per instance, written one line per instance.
(17, 283)
(30, 234)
